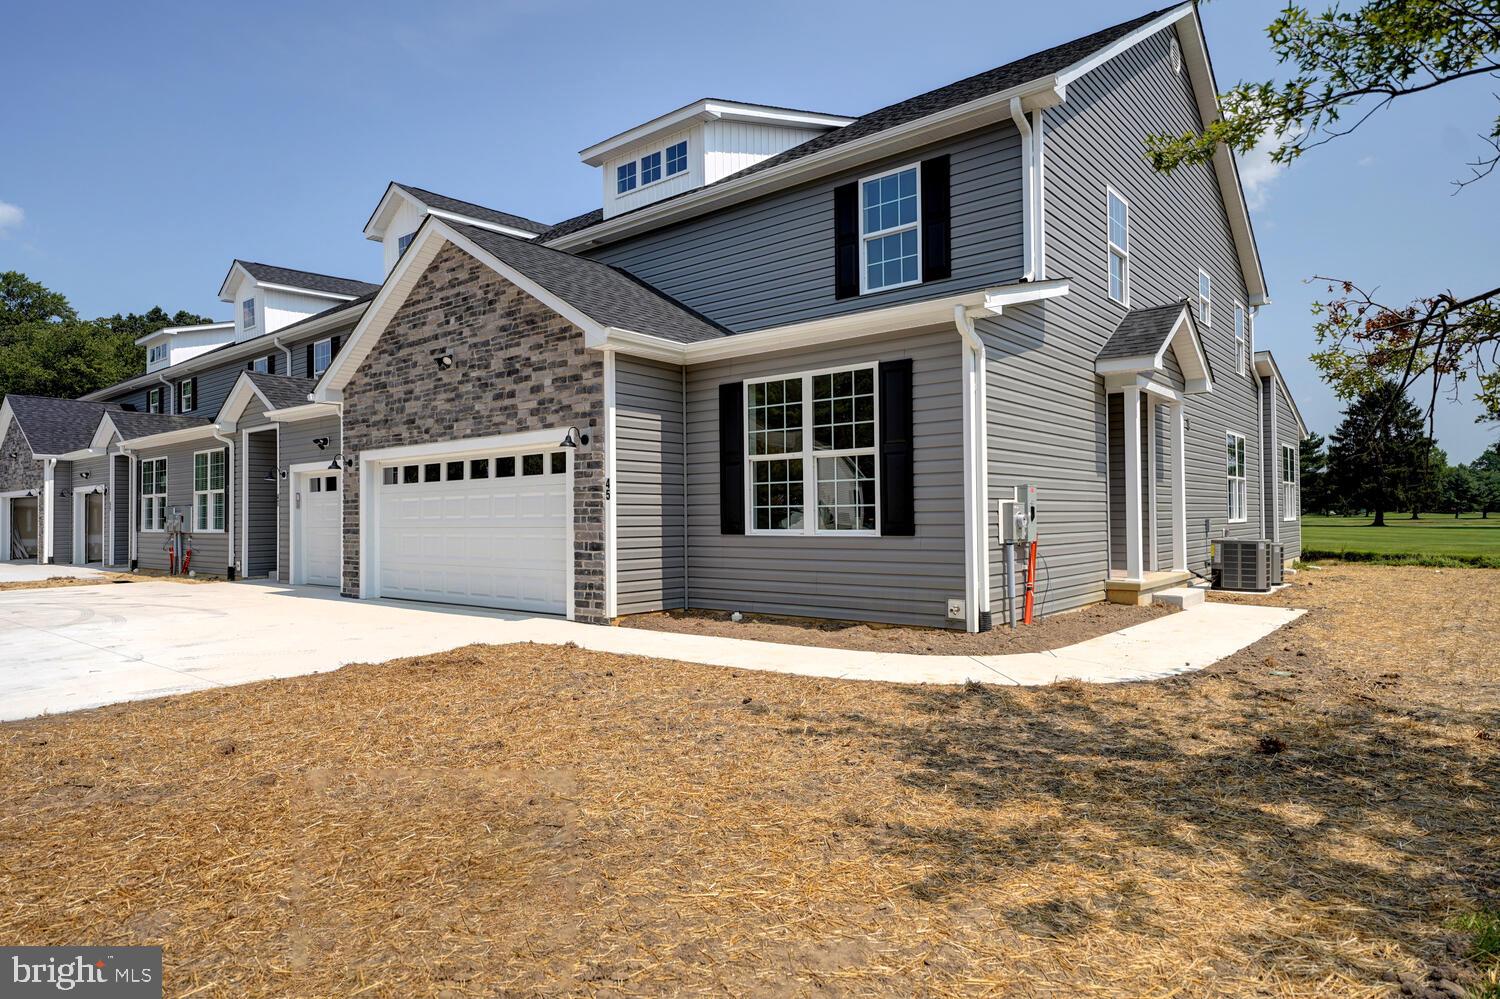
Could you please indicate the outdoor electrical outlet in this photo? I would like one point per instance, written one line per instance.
(955, 610)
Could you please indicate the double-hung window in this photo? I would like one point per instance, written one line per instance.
(625, 177)
(889, 230)
(1241, 342)
(1235, 473)
(1118, 239)
(1290, 499)
(261, 365)
(153, 476)
(676, 158)
(153, 400)
(208, 491)
(187, 395)
(322, 356)
(1205, 299)
(811, 445)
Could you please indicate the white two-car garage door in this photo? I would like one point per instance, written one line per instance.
(485, 530)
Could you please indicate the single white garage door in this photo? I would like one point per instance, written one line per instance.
(488, 530)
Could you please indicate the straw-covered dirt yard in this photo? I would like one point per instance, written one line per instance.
(1316, 816)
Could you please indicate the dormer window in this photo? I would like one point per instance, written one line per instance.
(249, 310)
(403, 242)
(156, 354)
(677, 158)
(650, 168)
(625, 177)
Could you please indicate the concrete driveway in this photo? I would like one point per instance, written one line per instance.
(30, 572)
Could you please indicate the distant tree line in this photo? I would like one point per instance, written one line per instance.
(47, 349)
(1380, 461)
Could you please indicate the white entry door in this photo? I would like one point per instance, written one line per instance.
(319, 527)
(485, 530)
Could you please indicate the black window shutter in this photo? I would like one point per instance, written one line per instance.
(937, 255)
(897, 514)
(193, 384)
(271, 364)
(250, 365)
(731, 458)
(846, 241)
(333, 347)
(177, 396)
(309, 350)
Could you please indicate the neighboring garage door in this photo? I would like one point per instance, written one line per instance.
(485, 530)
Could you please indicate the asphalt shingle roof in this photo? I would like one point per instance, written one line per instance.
(605, 294)
(134, 425)
(467, 208)
(993, 81)
(307, 279)
(1142, 331)
(57, 426)
(282, 391)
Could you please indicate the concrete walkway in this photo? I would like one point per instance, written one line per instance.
(30, 572)
(78, 647)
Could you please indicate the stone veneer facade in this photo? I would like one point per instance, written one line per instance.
(19, 470)
(518, 366)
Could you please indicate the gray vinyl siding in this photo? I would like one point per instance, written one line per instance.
(1288, 435)
(255, 525)
(1270, 476)
(98, 475)
(650, 505)
(770, 261)
(1047, 407)
(905, 580)
(210, 548)
(299, 348)
(120, 493)
(295, 447)
(62, 514)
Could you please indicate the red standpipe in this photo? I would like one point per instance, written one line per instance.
(1030, 585)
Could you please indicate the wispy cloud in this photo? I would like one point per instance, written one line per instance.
(11, 216)
(1258, 171)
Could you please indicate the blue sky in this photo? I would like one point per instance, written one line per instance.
(149, 144)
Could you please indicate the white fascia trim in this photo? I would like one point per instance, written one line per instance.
(174, 330)
(432, 236)
(1122, 44)
(480, 223)
(103, 433)
(1266, 367)
(238, 274)
(170, 437)
(81, 454)
(375, 229)
(951, 121)
(311, 292)
(239, 397)
(706, 110)
(848, 326)
(295, 414)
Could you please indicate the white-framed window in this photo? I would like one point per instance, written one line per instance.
(890, 230)
(153, 476)
(187, 394)
(811, 448)
(153, 400)
(402, 242)
(625, 177)
(208, 491)
(261, 365)
(322, 356)
(1117, 237)
(651, 168)
(1291, 497)
(157, 352)
(249, 313)
(1241, 339)
(1235, 473)
(1205, 298)
(676, 158)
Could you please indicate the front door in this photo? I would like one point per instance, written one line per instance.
(319, 526)
(93, 527)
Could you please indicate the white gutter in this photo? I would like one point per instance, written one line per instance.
(976, 470)
(228, 506)
(1028, 202)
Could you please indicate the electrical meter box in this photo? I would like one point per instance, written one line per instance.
(1018, 520)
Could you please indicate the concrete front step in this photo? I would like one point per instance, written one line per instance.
(1180, 597)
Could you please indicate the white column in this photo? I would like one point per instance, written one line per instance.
(44, 545)
(1179, 487)
(1133, 548)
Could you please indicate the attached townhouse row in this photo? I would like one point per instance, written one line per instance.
(792, 364)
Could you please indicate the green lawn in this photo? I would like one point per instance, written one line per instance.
(1436, 536)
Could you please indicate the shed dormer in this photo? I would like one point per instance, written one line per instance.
(175, 344)
(266, 298)
(402, 208)
(696, 145)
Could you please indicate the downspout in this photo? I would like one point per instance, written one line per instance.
(169, 396)
(276, 344)
(228, 492)
(976, 474)
(1028, 202)
(1039, 193)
